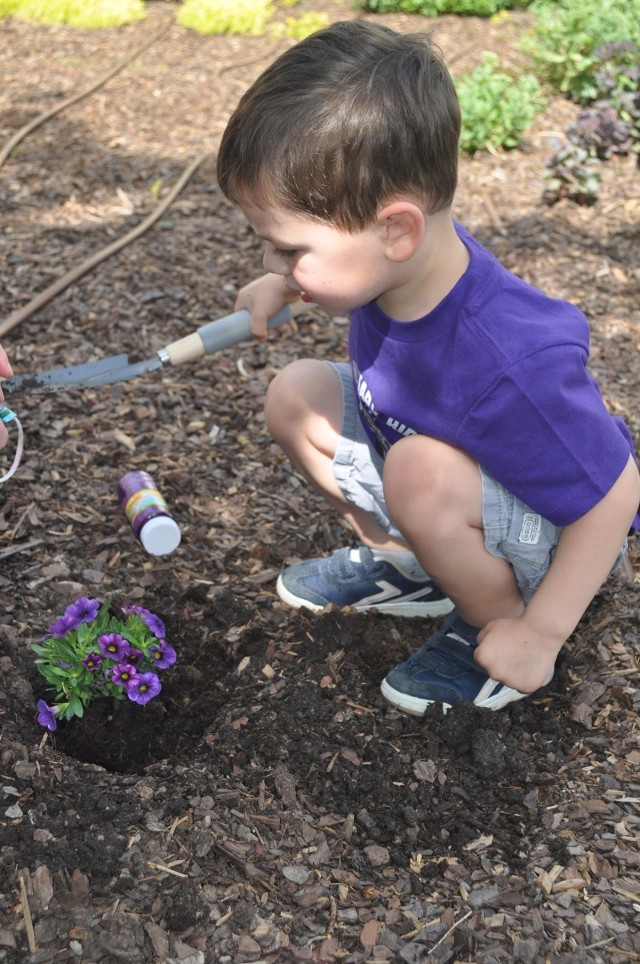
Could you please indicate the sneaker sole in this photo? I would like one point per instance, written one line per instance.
(439, 607)
(417, 707)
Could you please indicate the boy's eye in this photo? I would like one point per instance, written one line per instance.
(285, 252)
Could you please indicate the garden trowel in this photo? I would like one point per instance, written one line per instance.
(212, 337)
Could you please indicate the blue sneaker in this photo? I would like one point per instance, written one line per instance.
(444, 671)
(352, 577)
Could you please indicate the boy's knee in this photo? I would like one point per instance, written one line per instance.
(418, 460)
(296, 391)
(284, 390)
(425, 470)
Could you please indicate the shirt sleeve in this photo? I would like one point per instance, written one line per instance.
(543, 431)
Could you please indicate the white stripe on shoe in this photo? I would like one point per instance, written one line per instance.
(408, 604)
(418, 707)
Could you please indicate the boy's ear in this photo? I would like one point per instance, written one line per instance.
(403, 225)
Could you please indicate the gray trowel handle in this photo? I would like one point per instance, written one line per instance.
(216, 335)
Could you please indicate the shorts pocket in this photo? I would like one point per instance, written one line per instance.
(529, 546)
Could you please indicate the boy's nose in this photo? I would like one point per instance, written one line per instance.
(272, 263)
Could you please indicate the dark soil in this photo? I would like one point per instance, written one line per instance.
(268, 805)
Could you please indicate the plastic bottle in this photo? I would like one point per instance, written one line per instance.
(148, 514)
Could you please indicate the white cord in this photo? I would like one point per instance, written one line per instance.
(19, 447)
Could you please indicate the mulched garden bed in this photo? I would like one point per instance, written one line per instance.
(268, 805)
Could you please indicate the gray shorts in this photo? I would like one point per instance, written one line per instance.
(512, 530)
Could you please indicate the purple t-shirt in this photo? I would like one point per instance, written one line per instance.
(497, 369)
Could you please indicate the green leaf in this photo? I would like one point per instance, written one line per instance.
(75, 707)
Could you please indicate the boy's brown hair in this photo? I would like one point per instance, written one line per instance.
(342, 122)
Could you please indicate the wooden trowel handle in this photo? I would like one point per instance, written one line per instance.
(216, 335)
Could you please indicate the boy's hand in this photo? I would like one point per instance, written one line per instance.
(264, 297)
(5, 372)
(520, 652)
(5, 368)
(513, 653)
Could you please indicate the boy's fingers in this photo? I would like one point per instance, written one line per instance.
(258, 317)
(259, 326)
(5, 365)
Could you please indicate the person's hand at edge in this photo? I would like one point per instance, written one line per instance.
(5, 372)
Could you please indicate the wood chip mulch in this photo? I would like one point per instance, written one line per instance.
(269, 806)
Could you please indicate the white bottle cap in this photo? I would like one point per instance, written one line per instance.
(160, 535)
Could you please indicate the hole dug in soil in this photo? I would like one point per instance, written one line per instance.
(130, 737)
(289, 703)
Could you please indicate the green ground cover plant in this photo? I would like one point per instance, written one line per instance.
(226, 16)
(434, 8)
(297, 28)
(497, 108)
(88, 14)
(251, 17)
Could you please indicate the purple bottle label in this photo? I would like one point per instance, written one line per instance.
(140, 500)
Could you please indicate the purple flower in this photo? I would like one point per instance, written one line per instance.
(63, 626)
(47, 715)
(163, 655)
(146, 686)
(92, 661)
(153, 622)
(113, 646)
(124, 674)
(134, 656)
(83, 610)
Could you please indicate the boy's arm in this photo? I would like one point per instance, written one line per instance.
(520, 652)
(264, 297)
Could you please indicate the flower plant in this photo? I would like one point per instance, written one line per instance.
(90, 651)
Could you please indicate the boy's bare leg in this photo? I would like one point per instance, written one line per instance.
(303, 411)
(434, 494)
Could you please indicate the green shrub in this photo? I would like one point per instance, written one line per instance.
(226, 16)
(433, 8)
(496, 108)
(297, 28)
(75, 13)
(567, 34)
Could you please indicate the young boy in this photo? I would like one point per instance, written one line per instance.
(465, 439)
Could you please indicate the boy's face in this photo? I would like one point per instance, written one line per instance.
(337, 270)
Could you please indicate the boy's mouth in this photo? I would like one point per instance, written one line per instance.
(305, 297)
